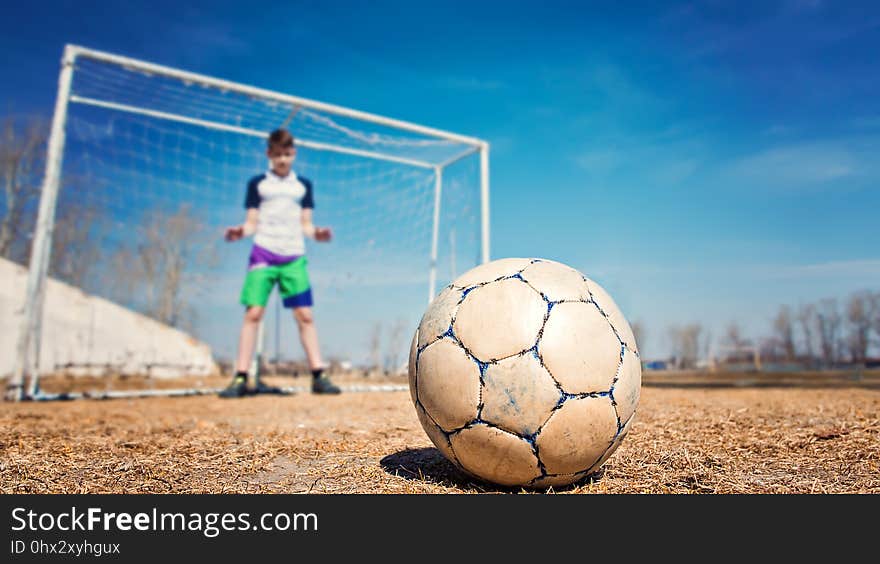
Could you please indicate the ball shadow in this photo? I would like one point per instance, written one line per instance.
(428, 465)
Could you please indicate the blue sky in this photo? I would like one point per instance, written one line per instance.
(704, 161)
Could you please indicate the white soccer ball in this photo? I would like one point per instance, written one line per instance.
(524, 372)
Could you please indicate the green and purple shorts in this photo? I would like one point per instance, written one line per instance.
(266, 269)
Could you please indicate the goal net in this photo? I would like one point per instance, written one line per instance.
(152, 164)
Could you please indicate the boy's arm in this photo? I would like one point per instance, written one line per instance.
(310, 230)
(246, 229)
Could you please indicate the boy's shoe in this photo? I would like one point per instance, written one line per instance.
(323, 385)
(266, 389)
(237, 389)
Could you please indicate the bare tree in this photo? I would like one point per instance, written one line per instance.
(186, 254)
(737, 346)
(123, 268)
(395, 345)
(75, 243)
(171, 257)
(784, 332)
(706, 348)
(22, 154)
(375, 346)
(768, 348)
(859, 315)
(686, 345)
(691, 344)
(733, 337)
(638, 330)
(22, 160)
(828, 323)
(875, 321)
(672, 335)
(807, 319)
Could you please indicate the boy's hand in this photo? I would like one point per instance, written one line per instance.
(234, 233)
(323, 234)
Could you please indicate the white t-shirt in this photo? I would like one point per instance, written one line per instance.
(280, 201)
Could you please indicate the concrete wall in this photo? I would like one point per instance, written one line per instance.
(85, 334)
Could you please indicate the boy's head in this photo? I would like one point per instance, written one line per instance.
(281, 151)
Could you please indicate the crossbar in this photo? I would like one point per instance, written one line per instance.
(243, 130)
(204, 80)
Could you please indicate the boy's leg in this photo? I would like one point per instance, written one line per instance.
(308, 336)
(258, 285)
(246, 341)
(247, 338)
(297, 293)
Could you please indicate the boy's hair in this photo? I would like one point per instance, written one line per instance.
(280, 138)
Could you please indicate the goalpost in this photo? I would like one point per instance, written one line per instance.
(145, 166)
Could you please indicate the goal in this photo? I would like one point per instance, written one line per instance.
(147, 164)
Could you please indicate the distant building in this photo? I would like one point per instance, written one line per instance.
(90, 336)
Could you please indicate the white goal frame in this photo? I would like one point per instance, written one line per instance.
(27, 357)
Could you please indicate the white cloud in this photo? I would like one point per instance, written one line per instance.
(666, 157)
(779, 130)
(867, 269)
(470, 83)
(858, 269)
(798, 164)
(675, 171)
(866, 122)
(619, 89)
(600, 161)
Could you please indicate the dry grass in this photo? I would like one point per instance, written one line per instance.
(67, 383)
(726, 440)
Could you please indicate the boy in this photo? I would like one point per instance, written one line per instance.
(279, 215)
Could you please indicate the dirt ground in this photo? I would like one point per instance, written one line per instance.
(684, 440)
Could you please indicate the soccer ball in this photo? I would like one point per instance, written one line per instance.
(524, 372)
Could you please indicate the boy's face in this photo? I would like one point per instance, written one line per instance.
(281, 159)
